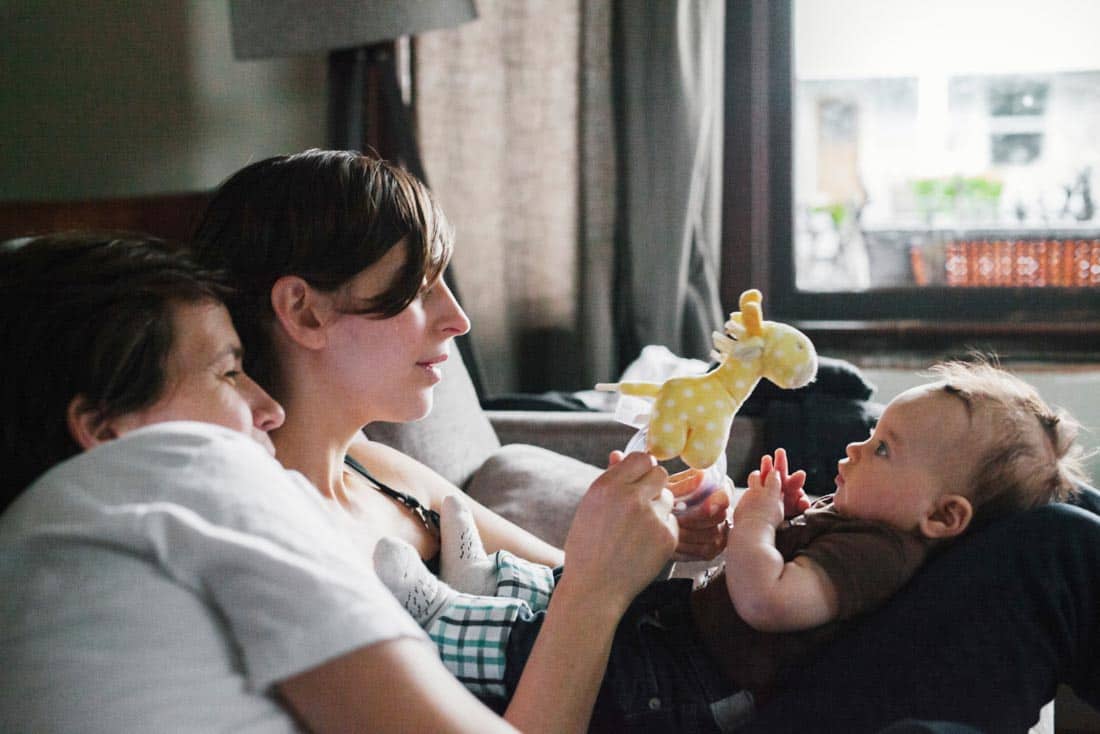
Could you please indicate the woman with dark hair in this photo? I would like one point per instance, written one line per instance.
(161, 571)
(104, 304)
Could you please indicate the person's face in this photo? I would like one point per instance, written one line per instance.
(391, 365)
(204, 380)
(922, 447)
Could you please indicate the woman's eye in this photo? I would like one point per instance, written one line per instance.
(881, 449)
(232, 375)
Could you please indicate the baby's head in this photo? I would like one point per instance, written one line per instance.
(977, 443)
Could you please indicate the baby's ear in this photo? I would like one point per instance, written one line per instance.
(950, 517)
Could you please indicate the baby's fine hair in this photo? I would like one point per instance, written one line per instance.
(1032, 458)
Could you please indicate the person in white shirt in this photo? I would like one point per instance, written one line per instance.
(161, 571)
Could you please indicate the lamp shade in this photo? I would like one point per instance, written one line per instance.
(267, 28)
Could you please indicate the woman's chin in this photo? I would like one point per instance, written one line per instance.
(414, 410)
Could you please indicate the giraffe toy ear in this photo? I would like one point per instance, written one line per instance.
(734, 327)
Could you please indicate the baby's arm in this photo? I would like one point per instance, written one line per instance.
(770, 594)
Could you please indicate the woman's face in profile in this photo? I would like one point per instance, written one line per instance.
(204, 380)
(390, 365)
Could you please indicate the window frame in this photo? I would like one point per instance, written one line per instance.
(758, 232)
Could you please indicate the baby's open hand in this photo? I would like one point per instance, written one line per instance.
(795, 501)
(762, 501)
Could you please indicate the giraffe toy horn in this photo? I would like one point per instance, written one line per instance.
(752, 314)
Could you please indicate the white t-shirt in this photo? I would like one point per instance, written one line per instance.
(164, 581)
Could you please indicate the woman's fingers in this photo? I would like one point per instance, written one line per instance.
(699, 544)
(686, 482)
(625, 513)
(663, 511)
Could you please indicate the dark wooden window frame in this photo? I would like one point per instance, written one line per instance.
(758, 224)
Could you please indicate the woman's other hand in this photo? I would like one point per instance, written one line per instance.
(703, 527)
(623, 532)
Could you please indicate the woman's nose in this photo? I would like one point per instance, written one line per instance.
(453, 319)
(267, 414)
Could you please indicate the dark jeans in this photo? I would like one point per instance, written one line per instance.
(658, 678)
(981, 636)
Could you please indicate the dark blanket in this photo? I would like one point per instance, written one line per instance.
(815, 423)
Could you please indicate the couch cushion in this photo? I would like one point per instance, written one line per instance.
(535, 488)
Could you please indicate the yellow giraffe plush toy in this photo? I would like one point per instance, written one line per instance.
(691, 415)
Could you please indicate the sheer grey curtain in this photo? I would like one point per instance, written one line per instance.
(565, 183)
(669, 76)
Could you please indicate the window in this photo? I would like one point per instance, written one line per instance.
(933, 163)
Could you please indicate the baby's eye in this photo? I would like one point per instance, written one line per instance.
(881, 449)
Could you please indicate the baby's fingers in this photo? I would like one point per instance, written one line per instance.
(765, 466)
(781, 463)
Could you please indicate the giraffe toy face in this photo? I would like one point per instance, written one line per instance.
(790, 360)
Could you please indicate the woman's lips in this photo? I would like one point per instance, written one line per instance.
(431, 366)
(433, 361)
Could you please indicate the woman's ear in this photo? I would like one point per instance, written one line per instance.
(301, 311)
(86, 424)
(949, 518)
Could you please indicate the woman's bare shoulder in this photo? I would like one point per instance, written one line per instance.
(399, 469)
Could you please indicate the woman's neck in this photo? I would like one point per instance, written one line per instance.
(321, 420)
(313, 442)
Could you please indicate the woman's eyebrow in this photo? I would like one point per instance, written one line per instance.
(232, 349)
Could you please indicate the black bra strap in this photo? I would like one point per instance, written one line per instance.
(430, 518)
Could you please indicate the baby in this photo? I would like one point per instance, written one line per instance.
(973, 446)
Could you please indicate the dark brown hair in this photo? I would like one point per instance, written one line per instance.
(83, 314)
(324, 216)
